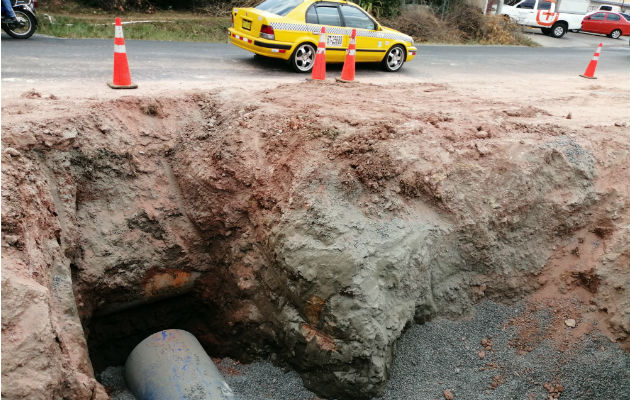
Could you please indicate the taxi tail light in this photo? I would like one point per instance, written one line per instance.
(266, 32)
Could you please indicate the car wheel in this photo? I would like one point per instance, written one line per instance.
(615, 34)
(558, 30)
(546, 31)
(303, 58)
(394, 59)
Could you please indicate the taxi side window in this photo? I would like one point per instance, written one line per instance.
(328, 15)
(598, 16)
(612, 17)
(527, 4)
(311, 16)
(355, 18)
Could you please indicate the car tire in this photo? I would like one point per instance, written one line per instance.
(558, 30)
(303, 58)
(546, 31)
(615, 34)
(394, 59)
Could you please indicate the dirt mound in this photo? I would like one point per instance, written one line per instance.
(308, 221)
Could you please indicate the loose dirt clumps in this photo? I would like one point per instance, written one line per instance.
(311, 222)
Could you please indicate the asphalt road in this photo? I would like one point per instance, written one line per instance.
(47, 60)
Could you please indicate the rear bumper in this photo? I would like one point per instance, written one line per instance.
(264, 47)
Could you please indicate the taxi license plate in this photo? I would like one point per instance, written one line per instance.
(334, 40)
(247, 25)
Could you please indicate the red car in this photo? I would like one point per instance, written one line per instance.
(608, 23)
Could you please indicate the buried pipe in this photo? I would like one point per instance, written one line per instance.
(172, 365)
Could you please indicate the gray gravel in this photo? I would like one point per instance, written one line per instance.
(443, 354)
(113, 378)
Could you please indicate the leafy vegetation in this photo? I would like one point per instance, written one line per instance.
(441, 21)
(462, 24)
(380, 8)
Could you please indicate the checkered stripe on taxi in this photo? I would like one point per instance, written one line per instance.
(284, 26)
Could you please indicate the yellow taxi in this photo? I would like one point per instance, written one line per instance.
(290, 29)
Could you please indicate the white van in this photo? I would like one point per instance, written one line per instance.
(543, 14)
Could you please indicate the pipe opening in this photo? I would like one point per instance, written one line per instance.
(112, 336)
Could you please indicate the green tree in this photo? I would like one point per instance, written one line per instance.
(380, 8)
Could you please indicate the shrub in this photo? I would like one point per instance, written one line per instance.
(424, 26)
(462, 23)
(500, 30)
(469, 20)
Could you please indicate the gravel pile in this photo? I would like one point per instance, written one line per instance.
(466, 359)
(450, 355)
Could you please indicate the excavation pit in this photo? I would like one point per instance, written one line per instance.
(296, 230)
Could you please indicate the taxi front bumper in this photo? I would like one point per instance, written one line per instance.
(411, 53)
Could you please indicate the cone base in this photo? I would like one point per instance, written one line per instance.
(132, 86)
(315, 79)
(343, 80)
(588, 77)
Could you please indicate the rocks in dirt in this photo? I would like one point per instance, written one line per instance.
(448, 394)
(12, 152)
(70, 134)
(32, 94)
(570, 322)
(554, 390)
(482, 149)
(497, 380)
(526, 112)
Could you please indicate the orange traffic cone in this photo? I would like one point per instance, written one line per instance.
(122, 79)
(590, 69)
(319, 67)
(347, 73)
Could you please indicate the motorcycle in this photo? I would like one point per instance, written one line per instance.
(26, 23)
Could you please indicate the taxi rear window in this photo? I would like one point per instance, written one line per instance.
(279, 7)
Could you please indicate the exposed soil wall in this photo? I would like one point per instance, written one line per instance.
(310, 221)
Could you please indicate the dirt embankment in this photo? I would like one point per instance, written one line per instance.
(311, 221)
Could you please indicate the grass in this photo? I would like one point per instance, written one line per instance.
(164, 26)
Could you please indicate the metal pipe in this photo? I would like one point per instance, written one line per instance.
(172, 365)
